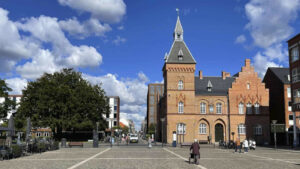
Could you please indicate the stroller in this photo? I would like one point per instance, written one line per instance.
(192, 157)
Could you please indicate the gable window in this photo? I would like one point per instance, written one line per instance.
(241, 129)
(202, 108)
(181, 128)
(180, 107)
(257, 130)
(180, 85)
(241, 108)
(295, 54)
(202, 128)
(219, 108)
(249, 108)
(256, 108)
(248, 86)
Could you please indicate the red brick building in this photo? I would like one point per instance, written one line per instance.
(219, 108)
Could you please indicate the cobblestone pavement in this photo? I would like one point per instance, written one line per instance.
(140, 157)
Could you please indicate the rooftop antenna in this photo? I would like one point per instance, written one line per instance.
(177, 10)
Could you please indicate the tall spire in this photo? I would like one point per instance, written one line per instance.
(178, 32)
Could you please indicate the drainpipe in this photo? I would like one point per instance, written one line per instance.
(228, 113)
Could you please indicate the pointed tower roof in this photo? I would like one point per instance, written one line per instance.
(179, 52)
(178, 27)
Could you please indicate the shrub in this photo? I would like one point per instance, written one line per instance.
(16, 150)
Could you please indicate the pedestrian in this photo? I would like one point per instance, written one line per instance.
(238, 145)
(195, 147)
(149, 142)
(127, 139)
(246, 146)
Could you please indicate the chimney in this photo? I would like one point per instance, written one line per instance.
(200, 74)
(247, 63)
(225, 74)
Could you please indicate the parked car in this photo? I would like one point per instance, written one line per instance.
(133, 138)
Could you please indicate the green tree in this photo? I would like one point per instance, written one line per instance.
(64, 101)
(8, 104)
(151, 129)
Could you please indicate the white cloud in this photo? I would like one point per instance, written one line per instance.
(85, 29)
(104, 10)
(46, 30)
(121, 27)
(269, 20)
(132, 93)
(261, 64)
(16, 84)
(240, 39)
(119, 40)
(12, 46)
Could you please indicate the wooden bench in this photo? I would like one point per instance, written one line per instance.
(186, 144)
(71, 144)
(203, 142)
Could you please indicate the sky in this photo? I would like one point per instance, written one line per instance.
(122, 43)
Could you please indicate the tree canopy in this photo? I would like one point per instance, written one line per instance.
(64, 101)
(6, 104)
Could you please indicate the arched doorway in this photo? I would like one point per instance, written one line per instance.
(219, 136)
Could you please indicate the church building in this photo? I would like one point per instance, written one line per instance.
(213, 109)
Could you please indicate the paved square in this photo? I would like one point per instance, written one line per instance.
(140, 157)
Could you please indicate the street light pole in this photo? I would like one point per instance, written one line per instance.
(274, 125)
(162, 131)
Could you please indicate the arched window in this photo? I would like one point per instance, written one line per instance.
(180, 107)
(241, 129)
(241, 108)
(203, 108)
(249, 108)
(181, 128)
(219, 108)
(211, 108)
(248, 86)
(202, 128)
(258, 130)
(256, 108)
(180, 85)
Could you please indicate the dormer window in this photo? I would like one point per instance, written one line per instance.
(209, 86)
(180, 55)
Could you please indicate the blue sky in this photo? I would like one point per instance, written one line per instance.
(122, 43)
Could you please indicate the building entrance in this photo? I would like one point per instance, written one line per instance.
(219, 136)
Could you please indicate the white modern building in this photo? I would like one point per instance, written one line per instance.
(113, 118)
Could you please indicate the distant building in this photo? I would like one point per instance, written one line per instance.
(41, 132)
(128, 123)
(278, 80)
(294, 61)
(155, 93)
(113, 118)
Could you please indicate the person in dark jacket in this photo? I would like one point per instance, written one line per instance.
(195, 147)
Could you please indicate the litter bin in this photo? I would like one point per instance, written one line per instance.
(174, 139)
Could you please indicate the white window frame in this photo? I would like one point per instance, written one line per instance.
(241, 108)
(202, 128)
(180, 85)
(258, 130)
(203, 108)
(295, 54)
(256, 108)
(219, 108)
(241, 129)
(181, 128)
(288, 91)
(180, 107)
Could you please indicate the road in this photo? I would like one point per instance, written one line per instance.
(138, 156)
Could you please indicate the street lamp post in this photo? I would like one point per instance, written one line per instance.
(162, 131)
(274, 126)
